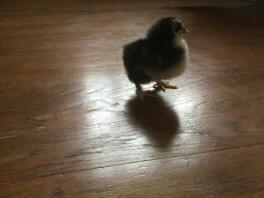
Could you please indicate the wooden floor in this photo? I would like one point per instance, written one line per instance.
(70, 125)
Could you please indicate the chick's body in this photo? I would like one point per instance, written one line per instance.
(160, 56)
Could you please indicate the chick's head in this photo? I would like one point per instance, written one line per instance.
(166, 29)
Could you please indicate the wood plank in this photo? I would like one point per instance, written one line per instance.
(169, 177)
(71, 126)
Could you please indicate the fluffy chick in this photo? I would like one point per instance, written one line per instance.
(160, 56)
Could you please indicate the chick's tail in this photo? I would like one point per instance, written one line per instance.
(132, 62)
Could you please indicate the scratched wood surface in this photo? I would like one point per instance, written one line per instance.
(70, 124)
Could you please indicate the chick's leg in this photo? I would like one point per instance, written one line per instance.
(160, 85)
(148, 93)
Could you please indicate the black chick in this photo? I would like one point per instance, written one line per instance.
(161, 55)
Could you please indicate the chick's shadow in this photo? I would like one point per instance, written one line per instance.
(157, 120)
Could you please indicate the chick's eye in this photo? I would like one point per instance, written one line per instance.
(178, 26)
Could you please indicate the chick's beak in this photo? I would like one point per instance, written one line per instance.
(185, 30)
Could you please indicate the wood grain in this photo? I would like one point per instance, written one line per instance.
(71, 126)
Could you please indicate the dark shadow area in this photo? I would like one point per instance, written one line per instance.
(158, 121)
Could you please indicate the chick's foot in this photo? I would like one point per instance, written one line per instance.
(163, 86)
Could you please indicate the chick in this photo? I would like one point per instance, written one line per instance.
(160, 56)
